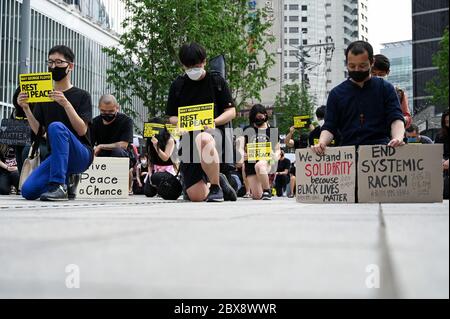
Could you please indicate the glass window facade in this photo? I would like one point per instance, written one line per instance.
(90, 62)
(430, 18)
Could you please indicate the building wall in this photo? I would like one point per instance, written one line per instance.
(400, 56)
(324, 21)
(54, 23)
(430, 18)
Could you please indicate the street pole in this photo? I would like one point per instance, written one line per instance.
(25, 37)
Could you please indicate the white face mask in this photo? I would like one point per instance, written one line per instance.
(321, 122)
(143, 162)
(195, 73)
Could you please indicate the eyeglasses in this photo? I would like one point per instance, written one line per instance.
(57, 63)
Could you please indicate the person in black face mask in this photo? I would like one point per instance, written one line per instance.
(64, 123)
(365, 110)
(257, 172)
(111, 131)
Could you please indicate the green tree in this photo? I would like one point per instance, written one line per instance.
(146, 61)
(438, 87)
(295, 101)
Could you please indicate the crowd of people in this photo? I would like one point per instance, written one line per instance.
(365, 109)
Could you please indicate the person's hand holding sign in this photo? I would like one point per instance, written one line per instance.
(155, 142)
(59, 98)
(325, 139)
(22, 100)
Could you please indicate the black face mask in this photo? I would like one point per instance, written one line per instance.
(108, 117)
(359, 76)
(58, 74)
(259, 122)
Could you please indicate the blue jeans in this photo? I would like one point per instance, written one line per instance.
(68, 156)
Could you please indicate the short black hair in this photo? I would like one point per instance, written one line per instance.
(192, 54)
(320, 112)
(382, 63)
(257, 108)
(359, 47)
(413, 128)
(64, 50)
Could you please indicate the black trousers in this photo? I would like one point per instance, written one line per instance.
(280, 184)
(8, 179)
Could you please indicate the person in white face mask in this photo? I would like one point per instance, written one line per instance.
(200, 156)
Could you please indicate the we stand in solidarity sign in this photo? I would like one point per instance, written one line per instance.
(328, 178)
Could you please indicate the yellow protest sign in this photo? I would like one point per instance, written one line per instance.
(196, 117)
(152, 129)
(302, 121)
(316, 141)
(173, 131)
(38, 86)
(259, 151)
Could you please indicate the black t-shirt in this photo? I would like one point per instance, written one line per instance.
(284, 164)
(440, 139)
(185, 92)
(121, 130)
(47, 113)
(199, 92)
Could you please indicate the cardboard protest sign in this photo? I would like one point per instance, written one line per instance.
(106, 178)
(152, 129)
(408, 174)
(302, 121)
(259, 151)
(38, 86)
(195, 118)
(330, 178)
(15, 132)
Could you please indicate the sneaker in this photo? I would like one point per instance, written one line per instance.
(266, 195)
(56, 192)
(229, 194)
(215, 194)
(74, 180)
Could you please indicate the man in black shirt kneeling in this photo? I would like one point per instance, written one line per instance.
(111, 131)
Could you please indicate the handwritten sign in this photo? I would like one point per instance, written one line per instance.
(15, 132)
(408, 174)
(259, 152)
(302, 121)
(38, 86)
(330, 178)
(195, 118)
(106, 178)
(152, 129)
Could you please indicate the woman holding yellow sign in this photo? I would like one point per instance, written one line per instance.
(261, 148)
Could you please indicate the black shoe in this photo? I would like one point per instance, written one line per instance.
(57, 192)
(74, 180)
(229, 194)
(266, 195)
(215, 194)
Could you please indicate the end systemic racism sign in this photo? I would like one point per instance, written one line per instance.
(38, 86)
(106, 178)
(330, 178)
(408, 174)
(196, 117)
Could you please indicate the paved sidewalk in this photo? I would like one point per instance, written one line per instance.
(148, 248)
